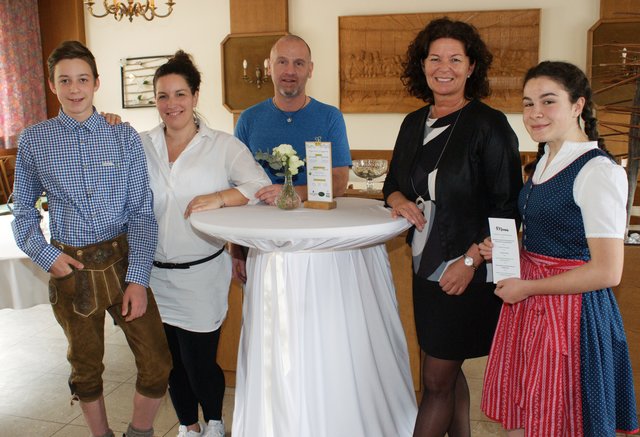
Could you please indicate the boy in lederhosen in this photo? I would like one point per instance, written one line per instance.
(103, 240)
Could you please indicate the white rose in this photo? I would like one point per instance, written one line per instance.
(284, 149)
(296, 162)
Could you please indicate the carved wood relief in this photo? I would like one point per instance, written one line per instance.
(372, 49)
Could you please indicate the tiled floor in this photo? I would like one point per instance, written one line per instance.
(34, 398)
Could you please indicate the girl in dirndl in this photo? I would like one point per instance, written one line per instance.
(559, 364)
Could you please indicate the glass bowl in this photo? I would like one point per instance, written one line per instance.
(370, 169)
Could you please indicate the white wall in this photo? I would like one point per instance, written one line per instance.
(198, 27)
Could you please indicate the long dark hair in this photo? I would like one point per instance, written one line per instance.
(476, 86)
(576, 84)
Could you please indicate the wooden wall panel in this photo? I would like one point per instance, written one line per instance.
(628, 297)
(230, 334)
(619, 8)
(249, 16)
(60, 20)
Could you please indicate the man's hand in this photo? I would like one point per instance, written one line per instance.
(239, 262)
(64, 265)
(269, 193)
(134, 302)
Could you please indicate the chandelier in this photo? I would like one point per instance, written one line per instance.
(119, 9)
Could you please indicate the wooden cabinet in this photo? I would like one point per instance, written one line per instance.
(628, 297)
(230, 335)
(400, 259)
(59, 21)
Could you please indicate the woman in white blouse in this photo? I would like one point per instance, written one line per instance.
(193, 168)
(559, 363)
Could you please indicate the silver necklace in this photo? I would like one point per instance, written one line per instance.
(289, 115)
(420, 200)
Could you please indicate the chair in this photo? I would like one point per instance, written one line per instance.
(7, 168)
(5, 187)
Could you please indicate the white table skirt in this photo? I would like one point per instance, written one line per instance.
(322, 350)
(23, 284)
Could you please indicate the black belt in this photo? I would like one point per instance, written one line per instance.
(186, 265)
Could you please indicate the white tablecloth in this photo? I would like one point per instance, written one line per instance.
(22, 283)
(322, 350)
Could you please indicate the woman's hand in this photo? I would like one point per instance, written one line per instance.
(456, 278)
(486, 249)
(112, 119)
(204, 202)
(403, 207)
(512, 290)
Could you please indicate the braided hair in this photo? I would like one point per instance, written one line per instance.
(576, 84)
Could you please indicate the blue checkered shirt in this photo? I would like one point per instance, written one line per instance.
(97, 185)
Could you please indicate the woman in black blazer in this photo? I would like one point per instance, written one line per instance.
(455, 164)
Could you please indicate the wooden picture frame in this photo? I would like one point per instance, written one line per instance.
(373, 48)
(136, 75)
(237, 93)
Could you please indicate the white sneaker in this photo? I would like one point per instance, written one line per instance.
(183, 432)
(215, 428)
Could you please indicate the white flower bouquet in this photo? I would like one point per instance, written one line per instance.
(283, 158)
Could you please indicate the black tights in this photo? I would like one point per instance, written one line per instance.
(445, 402)
(195, 378)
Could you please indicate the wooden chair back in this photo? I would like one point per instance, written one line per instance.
(7, 170)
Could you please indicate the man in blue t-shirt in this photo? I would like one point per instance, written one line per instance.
(292, 117)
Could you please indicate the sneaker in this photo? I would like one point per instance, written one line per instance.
(215, 428)
(183, 432)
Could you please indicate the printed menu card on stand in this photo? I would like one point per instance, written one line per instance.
(319, 176)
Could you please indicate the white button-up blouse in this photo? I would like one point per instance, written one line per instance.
(195, 299)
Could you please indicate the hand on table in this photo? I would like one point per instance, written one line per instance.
(409, 210)
(269, 193)
(204, 202)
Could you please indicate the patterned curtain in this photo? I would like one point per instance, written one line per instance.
(22, 92)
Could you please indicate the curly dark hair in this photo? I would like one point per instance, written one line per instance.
(181, 64)
(476, 87)
(576, 84)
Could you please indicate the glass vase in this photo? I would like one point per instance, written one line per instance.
(288, 198)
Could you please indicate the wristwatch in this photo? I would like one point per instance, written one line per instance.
(468, 261)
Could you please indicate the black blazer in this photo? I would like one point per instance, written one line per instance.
(479, 175)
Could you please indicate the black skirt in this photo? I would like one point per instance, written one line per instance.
(455, 327)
